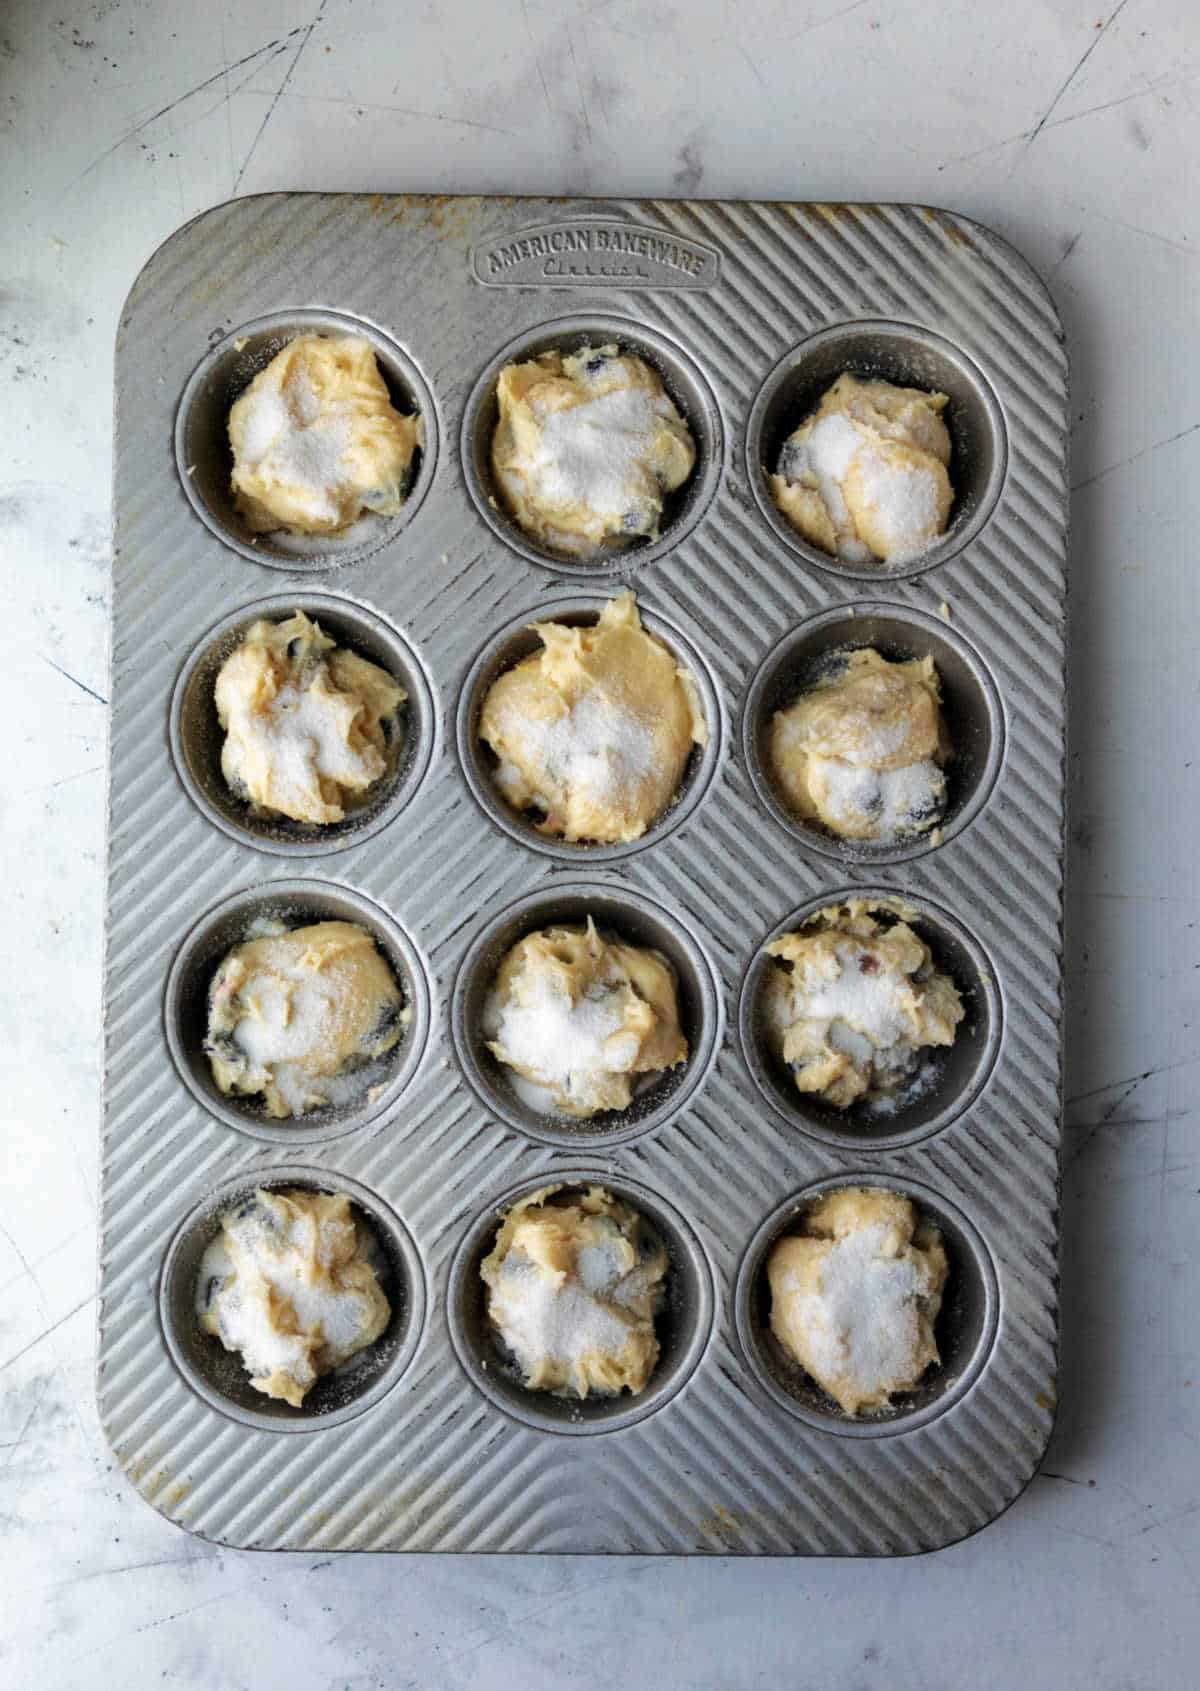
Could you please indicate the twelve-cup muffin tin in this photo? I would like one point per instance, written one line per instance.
(429, 1443)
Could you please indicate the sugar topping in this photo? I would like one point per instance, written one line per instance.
(574, 1286)
(594, 453)
(307, 736)
(289, 1012)
(594, 749)
(863, 1322)
(299, 1016)
(866, 995)
(565, 1321)
(287, 1282)
(893, 798)
(865, 476)
(563, 1042)
(903, 501)
(300, 442)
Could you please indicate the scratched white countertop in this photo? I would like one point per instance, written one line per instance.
(1071, 131)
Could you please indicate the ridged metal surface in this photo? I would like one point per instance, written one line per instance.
(720, 1467)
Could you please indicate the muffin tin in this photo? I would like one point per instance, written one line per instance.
(428, 1442)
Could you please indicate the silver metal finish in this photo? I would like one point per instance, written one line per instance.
(748, 310)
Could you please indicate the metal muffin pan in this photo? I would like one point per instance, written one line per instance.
(430, 1443)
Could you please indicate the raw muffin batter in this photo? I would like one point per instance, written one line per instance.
(855, 1296)
(862, 752)
(316, 440)
(296, 1015)
(864, 477)
(307, 724)
(855, 1000)
(579, 1018)
(288, 1283)
(574, 1284)
(586, 446)
(595, 730)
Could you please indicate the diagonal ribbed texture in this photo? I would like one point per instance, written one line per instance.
(719, 1468)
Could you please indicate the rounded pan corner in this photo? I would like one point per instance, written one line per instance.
(119, 1461)
(1023, 1482)
(147, 274)
(1011, 254)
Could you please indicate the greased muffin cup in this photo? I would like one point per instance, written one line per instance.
(429, 1440)
(682, 1326)
(204, 458)
(197, 736)
(218, 1375)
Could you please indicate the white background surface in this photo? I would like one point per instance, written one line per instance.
(1071, 131)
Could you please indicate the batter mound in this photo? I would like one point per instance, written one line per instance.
(864, 478)
(855, 1296)
(317, 442)
(862, 752)
(574, 1284)
(297, 1015)
(308, 725)
(586, 446)
(288, 1283)
(579, 1018)
(855, 1001)
(595, 730)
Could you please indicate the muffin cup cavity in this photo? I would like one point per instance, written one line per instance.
(683, 1324)
(197, 737)
(219, 1376)
(970, 704)
(908, 356)
(959, 1072)
(518, 641)
(619, 914)
(296, 904)
(686, 386)
(205, 459)
(965, 1329)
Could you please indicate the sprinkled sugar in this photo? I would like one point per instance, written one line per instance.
(863, 1322)
(904, 501)
(589, 454)
(595, 750)
(827, 455)
(892, 798)
(248, 1305)
(544, 1320)
(285, 433)
(558, 1040)
(866, 1002)
(306, 740)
